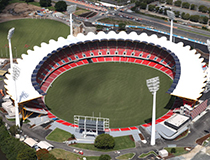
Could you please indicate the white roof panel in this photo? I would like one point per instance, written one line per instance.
(190, 84)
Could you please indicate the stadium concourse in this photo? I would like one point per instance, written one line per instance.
(40, 67)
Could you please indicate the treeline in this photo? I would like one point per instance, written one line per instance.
(142, 4)
(12, 147)
(17, 150)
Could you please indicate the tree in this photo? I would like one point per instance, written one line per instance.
(194, 18)
(14, 130)
(45, 3)
(143, 5)
(1, 121)
(60, 6)
(122, 26)
(104, 157)
(186, 16)
(27, 154)
(157, 9)
(160, 11)
(3, 4)
(170, 2)
(182, 15)
(202, 8)
(151, 7)
(193, 7)
(185, 5)
(104, 141)
(178, 3)
(165, 11)
(173, 150)
(203, 19)
(177, 13)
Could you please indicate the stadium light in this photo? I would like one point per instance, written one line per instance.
(70, 10)
(171, 16)
(153, 86)
(15, 74)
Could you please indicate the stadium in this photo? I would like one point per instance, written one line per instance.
(104, 75)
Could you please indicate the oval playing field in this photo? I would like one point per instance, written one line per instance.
(113, 90)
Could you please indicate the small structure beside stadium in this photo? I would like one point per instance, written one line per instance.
(91, 125)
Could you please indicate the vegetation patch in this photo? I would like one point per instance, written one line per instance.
(29, 33)
(120, 143)
(63, 154)
(112, 89)
(126, 156)
(59, 135)
(176, 151)
(143, 155)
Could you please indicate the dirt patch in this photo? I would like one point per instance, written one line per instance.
(141, 136)
(17, 11)
(202, 139)
(131, 137)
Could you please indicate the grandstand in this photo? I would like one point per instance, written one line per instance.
(52, 60)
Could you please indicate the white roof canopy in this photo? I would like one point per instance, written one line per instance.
(190, 85)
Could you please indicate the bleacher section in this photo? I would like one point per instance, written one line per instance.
(128, 51)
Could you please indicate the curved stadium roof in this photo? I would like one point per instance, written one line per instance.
(189, 84)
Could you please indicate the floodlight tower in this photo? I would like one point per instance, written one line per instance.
(71, 9)
(15, 73)
(153, 86)
(171, 16)
(208, 75)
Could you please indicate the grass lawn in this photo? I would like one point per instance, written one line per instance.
(143, 155)
(117, 21)
(28, 33)
(126, 156)
(62, 154)
(58, 135)
(80, 11)
(116, 91)
(120, 143)
(178, 151)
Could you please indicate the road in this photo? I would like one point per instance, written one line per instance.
(159, 24)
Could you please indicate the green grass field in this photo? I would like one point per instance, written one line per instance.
(58, 135)
(113, 90)
(123, 142)
(29, 33)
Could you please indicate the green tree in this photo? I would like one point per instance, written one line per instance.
(170, 2)
(185, 5)
(178, 3)
(177, 13)
(1, 121)
(203, 19)
(14, 130)
(45, 3)
(104, 141)
(202, 9)
(122, 26)
(194, 18)
(160, 11)
(27, 154)
(104, 157)
(60, 6)
(193, 7)
(186, 16)
(182, 15)
(151, 7)
(157, 9)
(3, 4)
(143, 6)
(173, 150)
